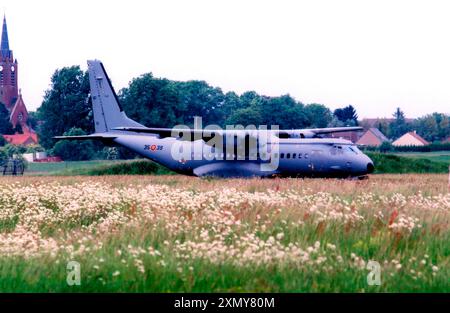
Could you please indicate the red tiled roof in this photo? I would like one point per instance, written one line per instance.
(415, 135)
(373, 137)
(21, 139)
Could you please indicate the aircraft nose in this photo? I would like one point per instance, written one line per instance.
(370, 168)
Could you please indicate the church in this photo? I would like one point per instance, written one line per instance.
(11, 96)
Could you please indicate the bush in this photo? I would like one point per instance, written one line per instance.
(386, 147)
(3, 156)
(12, 150)
(393, 164)
(34, 148)
(428, 148)
(130, 168)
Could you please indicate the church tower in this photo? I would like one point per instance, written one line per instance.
(8, 72)
(11, 97)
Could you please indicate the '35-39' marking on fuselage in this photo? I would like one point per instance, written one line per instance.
(153, 148)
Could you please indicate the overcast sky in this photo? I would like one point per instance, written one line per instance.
(375, 55)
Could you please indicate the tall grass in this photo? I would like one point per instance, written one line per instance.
(175, 233)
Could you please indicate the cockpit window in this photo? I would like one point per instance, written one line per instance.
(354, 149)
(337, 150)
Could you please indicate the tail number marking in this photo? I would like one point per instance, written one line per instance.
(153, 148)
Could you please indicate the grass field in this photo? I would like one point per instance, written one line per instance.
(438, 156)
(65, 168)
(175, 233)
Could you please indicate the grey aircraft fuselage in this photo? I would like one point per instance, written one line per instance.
(296, 157)
(298, 152)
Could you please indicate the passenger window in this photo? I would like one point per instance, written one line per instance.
(299, 155)
(306, 155)
(294, 155)
(275, 155)
(288, 156)
(282, 155)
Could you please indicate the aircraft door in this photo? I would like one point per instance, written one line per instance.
(317, 160)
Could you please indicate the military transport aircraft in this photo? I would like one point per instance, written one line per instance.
(239, 152)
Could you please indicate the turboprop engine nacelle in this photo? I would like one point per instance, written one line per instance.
(297, 134)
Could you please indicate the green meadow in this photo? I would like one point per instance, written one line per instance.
(173, 233)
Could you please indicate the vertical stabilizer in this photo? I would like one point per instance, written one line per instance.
(108, 113)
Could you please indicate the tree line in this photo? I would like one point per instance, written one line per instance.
(160, 102)
(433, 127)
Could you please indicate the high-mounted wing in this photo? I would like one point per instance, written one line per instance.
(319, 131)
(314, 132)
(201, 133)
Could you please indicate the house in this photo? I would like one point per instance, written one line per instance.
(353, 136)
(373, 137)
(410, 139)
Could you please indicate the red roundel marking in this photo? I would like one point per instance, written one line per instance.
(153, 147)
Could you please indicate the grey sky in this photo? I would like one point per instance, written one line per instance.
(376, 55)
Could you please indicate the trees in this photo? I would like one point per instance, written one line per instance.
(32, 119)
(152, 101)
(64, 105)
(433, 127)
(3, 156)
(199, 99)
(5, 124)
(163, 103)
(399, 126)
(282, 111)
(76, 150)
(347, 115)
(318, 115)
(12, 150)
(231, 103)
(285, 112)
(246, 116)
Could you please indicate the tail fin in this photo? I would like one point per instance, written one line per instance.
(108, 113)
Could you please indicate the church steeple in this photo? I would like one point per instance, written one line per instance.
(6, 53)
(8, 71)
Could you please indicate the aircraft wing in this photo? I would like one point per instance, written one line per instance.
(319, 131)
(163, 132)
(302, 133)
